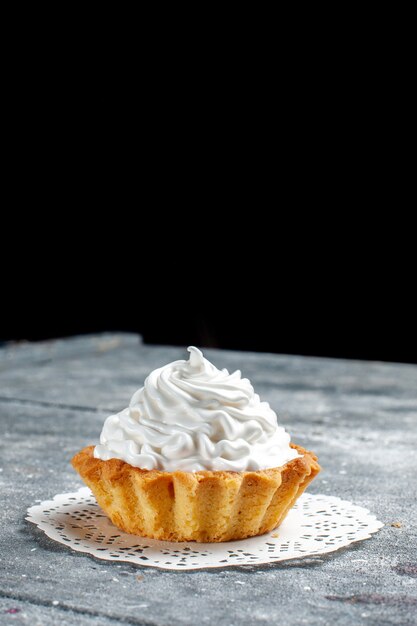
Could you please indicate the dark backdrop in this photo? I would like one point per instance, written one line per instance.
(288, 231)
(315, 338)
(314, 298)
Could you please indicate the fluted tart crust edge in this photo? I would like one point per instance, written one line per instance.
(204, 506)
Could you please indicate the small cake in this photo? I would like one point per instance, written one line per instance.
(197, 456)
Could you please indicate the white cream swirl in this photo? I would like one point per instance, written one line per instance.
(190, 416)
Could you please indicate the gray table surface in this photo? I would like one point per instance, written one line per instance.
(359, 417)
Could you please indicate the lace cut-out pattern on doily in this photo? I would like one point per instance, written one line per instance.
(316, 525)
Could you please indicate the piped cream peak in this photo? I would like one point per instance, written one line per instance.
(191, 416)
(196, 359)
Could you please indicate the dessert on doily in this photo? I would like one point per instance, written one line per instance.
(197, 456)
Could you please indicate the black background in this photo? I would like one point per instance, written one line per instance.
(211, 213)
(306, 286)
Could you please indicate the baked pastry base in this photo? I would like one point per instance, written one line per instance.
(201, 506)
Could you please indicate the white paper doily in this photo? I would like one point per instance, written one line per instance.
(317, 524)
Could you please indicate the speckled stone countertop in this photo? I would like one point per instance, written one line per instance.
(359, 417)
